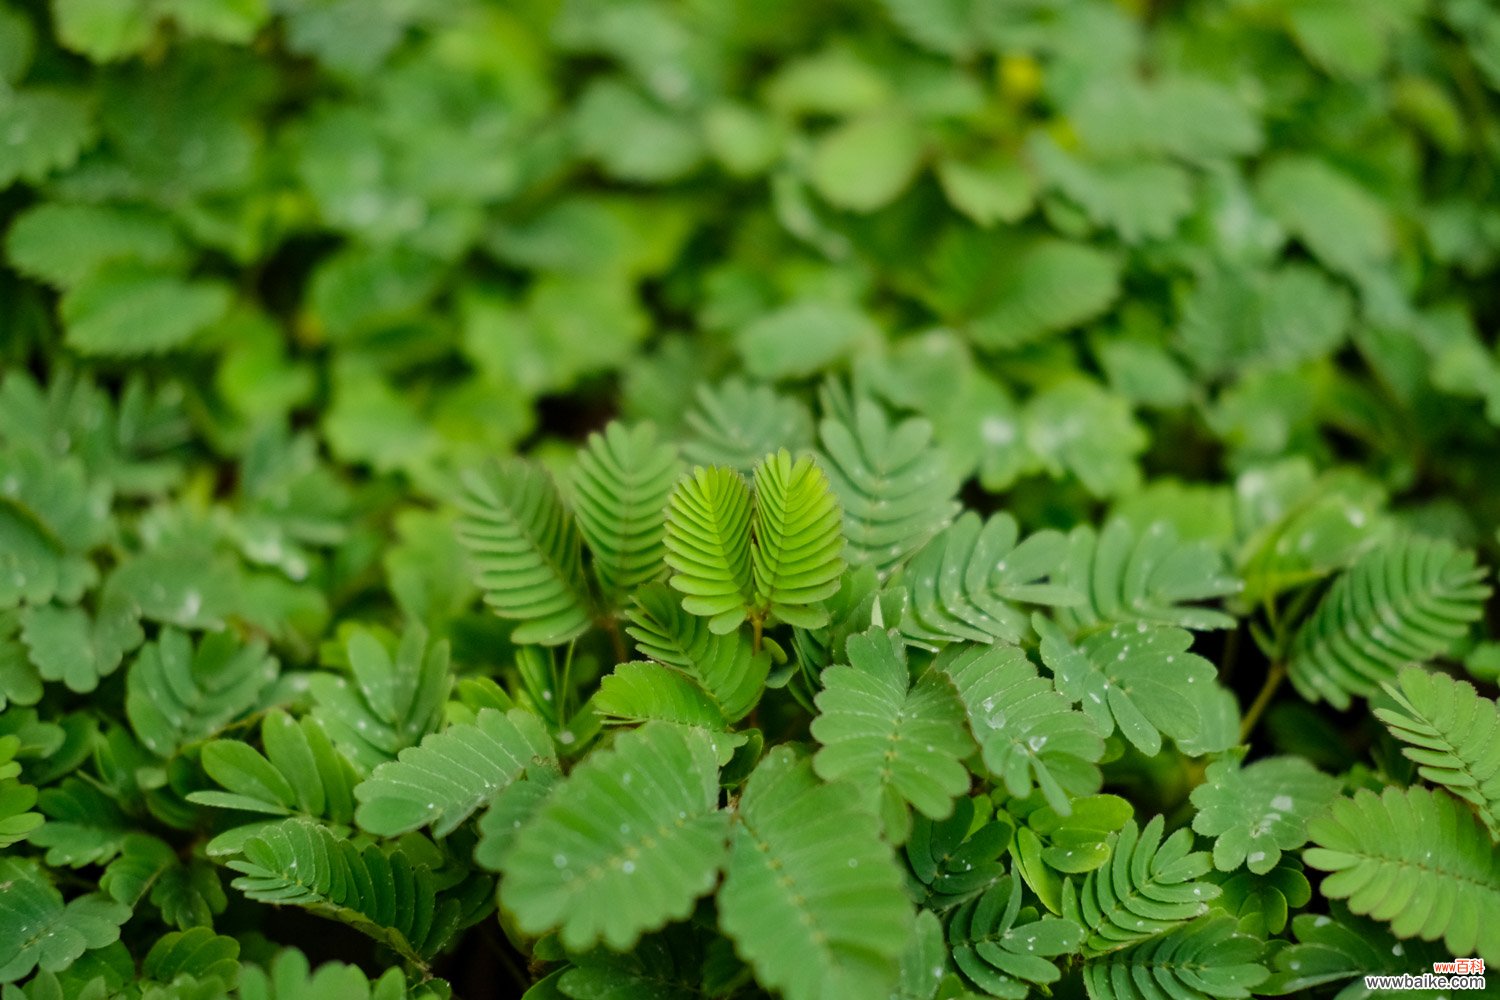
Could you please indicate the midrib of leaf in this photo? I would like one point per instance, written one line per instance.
(764, 849)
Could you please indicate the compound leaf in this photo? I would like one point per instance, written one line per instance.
(526, 552)
(708, 545)
(621, 484)
(1149, 887)
(451, 774)
(1029, 737)
(1399, 604)
(624, 845)
(893, 484)
(1256, 812)
(1453, 734)
(176, 695)
(899, 744)
(811, 897)
(1415, 859)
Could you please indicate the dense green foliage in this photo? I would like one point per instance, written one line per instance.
(649, 499)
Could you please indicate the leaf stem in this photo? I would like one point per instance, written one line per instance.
(1274, 676)
(757, 626)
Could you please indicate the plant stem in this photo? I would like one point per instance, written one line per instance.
(756, 627)
(616, 639)
(1274, 676)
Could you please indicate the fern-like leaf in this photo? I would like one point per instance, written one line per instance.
(811, 897)
(1453, 734)
(1149, 887)
(1257, 812)
(387, 703)
(737, 424)
(380, 892)
(1415, 859)
(175, 695)
(526, 552)
(999, 952)
(452, 774)
(621, 483)
(895, 487)
(626, 844)
(1138, 678)
(300, 773)
(1029, 736)
(726, 666)
(39, 930)
(965, 583)
(1339, 947)
(1129, 574)
(951, 861)
(17, 821)
(708, 546)
(1206, 960)
(898, 744)
(1400, 604)
(798, 540)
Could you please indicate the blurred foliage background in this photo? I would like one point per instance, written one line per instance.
(274, 269)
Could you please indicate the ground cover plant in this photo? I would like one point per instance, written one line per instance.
(710, 498)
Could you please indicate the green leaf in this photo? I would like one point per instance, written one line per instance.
(811, 897)
(621, 484)
(37, 930)
(1453, 734)
(797, 555)
(1415, 859)
(1140, 200)
(17, 821)
(385, 704)
(623, 846)
(1256, 812)
(1206, 960)
(67, 645)
(726, 667)
(1029, 737)
(452, 774)
(1078, 428)
(1234, 319)
(1191, 117)
(638, 692)
(63, 244)
(708, 545)
(803, 338)
(632, 137)
(1133, 573)
(1340, 222)
(103, 30)
(199, 953)
(123, 311)
(1403, 603)
(1041, 287)
(891, 481)
(1001, 955)
(866, 162)
(1149, 887)
(1331, 949)
(1136, 678)
(737, 424)
(85, 826)
(988, 191)
(46, 130)
(175, 695)
(526, 552)
(953, 860)
(965, 583)
(899, 744)
(381, 893)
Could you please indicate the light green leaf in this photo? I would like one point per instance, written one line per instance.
(866, 162)
(797, 555)
(123, 312)
(803, 338)
(708, 545)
